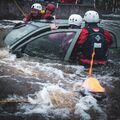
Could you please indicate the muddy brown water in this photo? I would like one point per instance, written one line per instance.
(111, 104)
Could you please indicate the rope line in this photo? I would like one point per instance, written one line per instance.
(13, 101)
(19, 7)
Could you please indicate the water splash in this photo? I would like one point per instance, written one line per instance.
(87, 104)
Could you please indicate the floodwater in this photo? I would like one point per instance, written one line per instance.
(41, 89)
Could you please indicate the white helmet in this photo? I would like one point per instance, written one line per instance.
(37, 6)
(91, 17)
(75, 19)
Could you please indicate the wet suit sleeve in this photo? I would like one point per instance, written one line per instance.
(78, 46)
(47, 16)
(108, 38)
(82, 38)
(27, 18)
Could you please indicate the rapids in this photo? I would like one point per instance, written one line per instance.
(36, 88)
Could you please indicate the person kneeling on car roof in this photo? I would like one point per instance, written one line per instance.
(49, 10)
(92, 39)
(35, 14)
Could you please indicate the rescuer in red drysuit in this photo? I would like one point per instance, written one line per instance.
(48, 15)
(92, 38)
(35, 13)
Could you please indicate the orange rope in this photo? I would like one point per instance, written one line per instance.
(92, 84)
(19, 7)
(91, 64)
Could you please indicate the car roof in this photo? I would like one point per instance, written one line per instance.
(41, 23)
(22, 29)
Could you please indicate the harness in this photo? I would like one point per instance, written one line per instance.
(96, 42)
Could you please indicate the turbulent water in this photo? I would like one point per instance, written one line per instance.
(37, 89)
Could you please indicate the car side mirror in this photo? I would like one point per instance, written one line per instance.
(18, 53)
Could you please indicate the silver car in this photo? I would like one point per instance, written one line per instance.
(53, 40)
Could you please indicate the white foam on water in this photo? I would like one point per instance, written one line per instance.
(44, 95)
(87, 104)
(6, 57)
(50, 71)
(43, 103)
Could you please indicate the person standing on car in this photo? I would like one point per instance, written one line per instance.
(49, 10)
(35, 14)
(92, 39)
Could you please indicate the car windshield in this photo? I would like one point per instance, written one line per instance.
(18, 33)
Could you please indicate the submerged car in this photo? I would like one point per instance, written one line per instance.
(53, 40)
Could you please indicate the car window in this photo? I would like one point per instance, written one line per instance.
(16, 34)
(52, 45)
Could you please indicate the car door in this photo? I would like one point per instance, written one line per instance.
(54, 44)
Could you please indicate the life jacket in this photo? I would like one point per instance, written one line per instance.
(96, 41)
